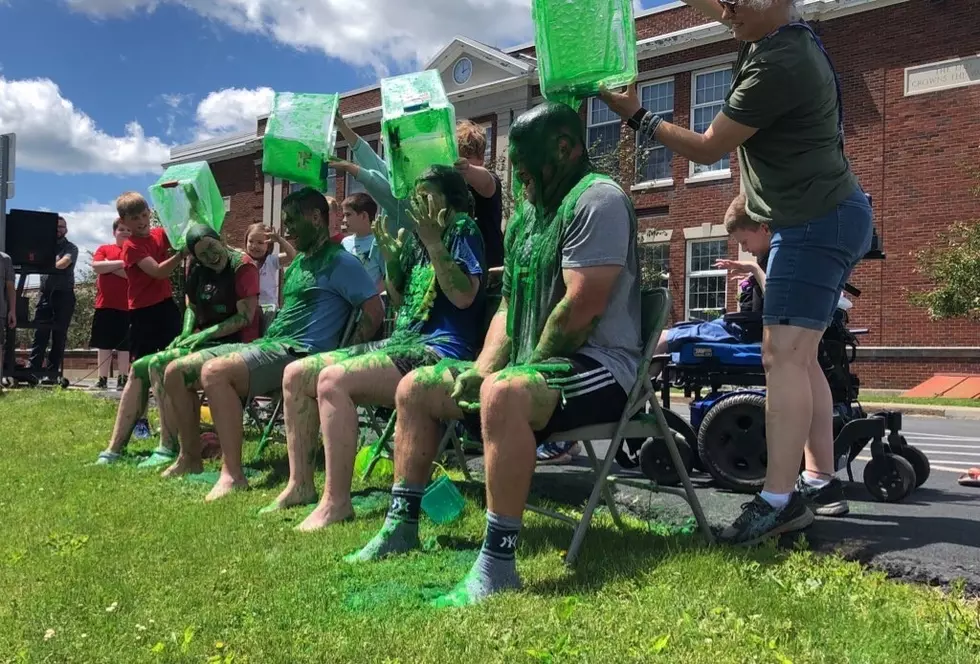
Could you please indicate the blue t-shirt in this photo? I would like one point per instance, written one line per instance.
(367, 251)
(319, 293)
(450, 331)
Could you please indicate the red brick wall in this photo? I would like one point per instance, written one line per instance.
(243, 180)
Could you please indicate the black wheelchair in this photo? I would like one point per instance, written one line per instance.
(726, 436)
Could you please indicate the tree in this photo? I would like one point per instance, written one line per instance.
(952, 267)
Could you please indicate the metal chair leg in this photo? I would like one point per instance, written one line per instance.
(607, 493)
(597, 491)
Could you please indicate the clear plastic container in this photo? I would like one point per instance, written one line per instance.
(187, 194)
(418, 125)
(442, 501)
(299, 138)
(580, 45)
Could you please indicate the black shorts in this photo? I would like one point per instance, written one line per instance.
(151, 329)
(589, 395)
(110, 330)
(405, 362)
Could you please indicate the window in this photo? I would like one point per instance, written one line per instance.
(604, 128)
(708, 96)
(654, 264)
(706, 285)
(652, 158)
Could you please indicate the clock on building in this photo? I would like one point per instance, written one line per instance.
(462, 71)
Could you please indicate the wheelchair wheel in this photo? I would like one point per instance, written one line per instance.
(918, 460)
(680, 425)
(732, 442)
(889, 478)
(656, 463)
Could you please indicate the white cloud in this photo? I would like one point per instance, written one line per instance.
(89, 226)
(370, 33)
(231, 110)
(54, 136)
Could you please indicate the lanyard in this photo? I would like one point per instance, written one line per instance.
(840, 98)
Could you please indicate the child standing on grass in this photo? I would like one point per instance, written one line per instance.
(154, 316)
(110, 324)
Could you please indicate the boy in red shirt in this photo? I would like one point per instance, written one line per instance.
(153, 315)
(110, 324)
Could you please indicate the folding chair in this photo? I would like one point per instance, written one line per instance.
(276, 417)
(633, 423)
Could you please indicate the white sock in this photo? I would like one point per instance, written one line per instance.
(815, 480)
(777, 500)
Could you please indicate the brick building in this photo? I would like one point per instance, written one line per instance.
(911, 84)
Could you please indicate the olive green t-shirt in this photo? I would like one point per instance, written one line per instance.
(793, 168)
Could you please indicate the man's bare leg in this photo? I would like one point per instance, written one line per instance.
(181, 382)
(225, 381)
(302, 427)
(422, 400)
(368, 380)
(514, 404)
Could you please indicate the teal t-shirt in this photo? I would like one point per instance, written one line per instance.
(367, 251)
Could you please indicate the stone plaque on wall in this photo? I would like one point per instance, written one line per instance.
(945, 75)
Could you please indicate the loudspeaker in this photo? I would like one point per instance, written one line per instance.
(32, 239)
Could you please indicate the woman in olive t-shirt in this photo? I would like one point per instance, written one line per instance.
(783, 115)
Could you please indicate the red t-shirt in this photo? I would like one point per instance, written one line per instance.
(247, 285)
(111, 290)
(145, 291)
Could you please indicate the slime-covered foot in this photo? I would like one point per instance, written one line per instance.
(184, 466)
(488, 576)
(225, 485)
(325, 515)
(395, 537)
(292, 496)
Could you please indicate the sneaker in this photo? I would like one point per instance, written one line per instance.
(759, 521)
(103, 383)
(121, 382)
(827, 500)
(142, 429)
(553, 454)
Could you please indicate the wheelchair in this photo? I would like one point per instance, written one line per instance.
(727, 436)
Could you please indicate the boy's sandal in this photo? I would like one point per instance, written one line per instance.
(160, 457)
(107, 458)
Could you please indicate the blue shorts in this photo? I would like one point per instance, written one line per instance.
(810, 263)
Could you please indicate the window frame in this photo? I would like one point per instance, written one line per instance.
(658, 146)
(665, 244)
(590, 124)
(690, 275)
(692, 167)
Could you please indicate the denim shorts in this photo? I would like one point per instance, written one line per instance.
(810, 263)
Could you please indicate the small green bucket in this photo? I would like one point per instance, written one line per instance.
(442, 502)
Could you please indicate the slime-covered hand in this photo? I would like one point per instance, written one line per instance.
(391, 246)
(430, 222)
(466, 391)
(193, 341)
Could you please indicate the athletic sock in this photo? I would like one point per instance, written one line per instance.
(816, 480)
(400, 532)
(777, 500)
(495, 569)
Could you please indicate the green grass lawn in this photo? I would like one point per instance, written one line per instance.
(117, 565)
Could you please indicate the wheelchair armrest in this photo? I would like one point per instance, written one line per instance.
(859, 330)
(660, 358)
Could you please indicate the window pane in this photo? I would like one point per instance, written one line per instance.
(654, 265)
(652, 158)
(601, 113)
(603, 140)
(705, 253)
(488, 154)
(709, 94)
(352, 186)
(706, 297)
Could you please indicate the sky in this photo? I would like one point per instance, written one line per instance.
(98, 91)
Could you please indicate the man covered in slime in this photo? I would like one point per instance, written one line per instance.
(434, 277)
(322, 286)
(561, 352)
(222, 289)
(784, 115)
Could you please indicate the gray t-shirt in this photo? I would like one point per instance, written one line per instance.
(6, 275)
(603, 232)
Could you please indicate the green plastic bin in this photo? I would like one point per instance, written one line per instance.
(299, 138)
(418, 125)
(187, 194)
(580, 45)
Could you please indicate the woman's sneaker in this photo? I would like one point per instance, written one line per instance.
(554, 454)
(121, 382)
(827, 500)
(103, 383)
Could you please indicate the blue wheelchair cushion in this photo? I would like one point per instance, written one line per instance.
(700, 353)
